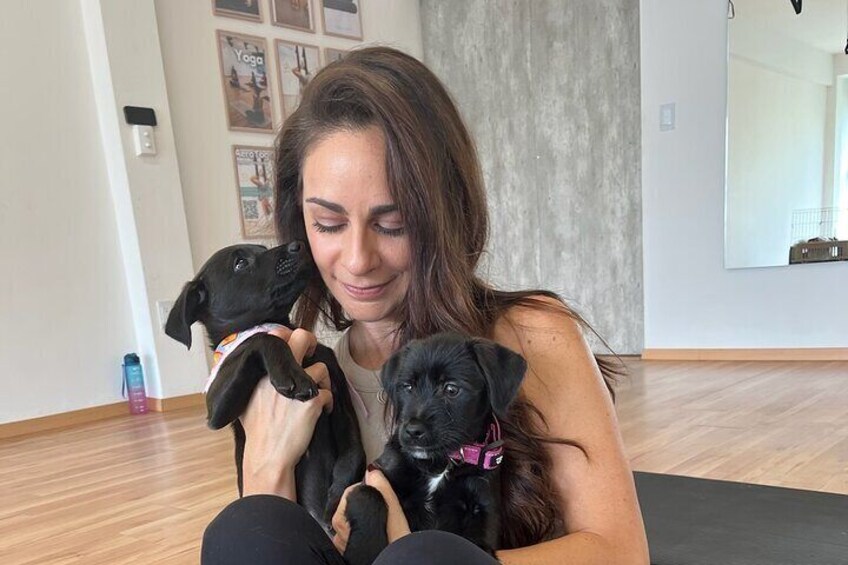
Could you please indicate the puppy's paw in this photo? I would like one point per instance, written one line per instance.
(367, 514)
(298, 385)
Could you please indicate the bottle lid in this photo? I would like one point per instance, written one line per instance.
(131, 359)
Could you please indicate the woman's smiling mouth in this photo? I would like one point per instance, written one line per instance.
(366, 292)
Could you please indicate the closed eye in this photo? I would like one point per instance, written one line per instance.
(327, 229)
(389, 230)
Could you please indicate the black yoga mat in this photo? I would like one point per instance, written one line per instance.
(704, 522)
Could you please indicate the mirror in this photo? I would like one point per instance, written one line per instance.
(786, 197)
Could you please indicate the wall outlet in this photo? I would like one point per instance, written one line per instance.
(164, 307)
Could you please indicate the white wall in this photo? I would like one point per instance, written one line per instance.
(837, 197)
(93, 236)
(751, 38)
(66, 319)
(125, 65)
(780, 139)
(187, 36)
(775, 160)
(691, 301)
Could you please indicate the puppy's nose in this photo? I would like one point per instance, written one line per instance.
(295, 247)
(414, 430)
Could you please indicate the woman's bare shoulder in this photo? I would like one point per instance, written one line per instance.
(564, 383)
(532, 328)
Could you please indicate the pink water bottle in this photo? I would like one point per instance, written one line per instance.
(134, 384)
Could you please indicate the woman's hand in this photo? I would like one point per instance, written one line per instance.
(396, 526)
(278, 429)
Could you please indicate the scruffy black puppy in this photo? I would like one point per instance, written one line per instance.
(444, 453)
(244, 286)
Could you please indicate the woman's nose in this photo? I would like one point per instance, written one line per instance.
(360, 255)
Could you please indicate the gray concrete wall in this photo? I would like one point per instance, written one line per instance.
(550, 90)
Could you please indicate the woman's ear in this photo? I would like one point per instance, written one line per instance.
(504, 371)
(186, 311)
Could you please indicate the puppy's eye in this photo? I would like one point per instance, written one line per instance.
(241, 263)
(451, 390)
(406, 387)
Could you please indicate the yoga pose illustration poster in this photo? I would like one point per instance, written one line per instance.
(244, 76)
(295, 14)
(342, 18)
(255, 178)
(297, 64)
(242, 9)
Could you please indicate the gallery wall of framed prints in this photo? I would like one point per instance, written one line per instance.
(250, 96)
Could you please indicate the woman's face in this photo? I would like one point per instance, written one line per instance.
(355, 231)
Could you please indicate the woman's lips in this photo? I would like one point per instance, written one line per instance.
(366, 292)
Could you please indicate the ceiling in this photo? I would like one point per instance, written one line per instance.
(822, 24)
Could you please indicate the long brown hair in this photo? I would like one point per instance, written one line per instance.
(435, 180)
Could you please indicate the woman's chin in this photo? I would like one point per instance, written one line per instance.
(376, 311)
(368, 312)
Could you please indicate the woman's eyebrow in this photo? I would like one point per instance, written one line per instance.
(382, 209)
(332, 206)
(375, 211)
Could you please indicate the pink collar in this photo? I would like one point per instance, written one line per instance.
(487, 455)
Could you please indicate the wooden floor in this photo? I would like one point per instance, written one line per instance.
(141, 489)
(780, 424)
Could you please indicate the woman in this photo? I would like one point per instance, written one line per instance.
(377, 171)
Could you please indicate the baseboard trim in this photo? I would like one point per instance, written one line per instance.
(772, 354)
(175, 402)
(93, 414)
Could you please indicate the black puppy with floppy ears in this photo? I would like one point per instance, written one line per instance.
(442, 459)
(245, 286)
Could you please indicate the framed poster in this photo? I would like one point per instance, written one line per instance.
(255, 181)
(295, 14)
(297, 63)
(342, 18)
(332, 55)
(241, 9)
(244, 77)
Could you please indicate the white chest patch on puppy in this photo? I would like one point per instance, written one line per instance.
(435, 481)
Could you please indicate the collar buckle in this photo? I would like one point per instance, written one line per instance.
(487, 455)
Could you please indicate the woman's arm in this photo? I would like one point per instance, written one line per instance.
(278, 429)
(597, 493)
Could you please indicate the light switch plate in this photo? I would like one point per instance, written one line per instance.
(667, 117)
(145, 143)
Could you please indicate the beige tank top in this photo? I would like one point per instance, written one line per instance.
(368, 399)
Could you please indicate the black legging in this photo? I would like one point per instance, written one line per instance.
(270, 530)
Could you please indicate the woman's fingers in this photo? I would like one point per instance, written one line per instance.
(320, 374)
(302, 344)
(340, 523)
(397, 525)
(324, 400)
(282, 332)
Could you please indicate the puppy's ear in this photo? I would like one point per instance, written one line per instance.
(504, 370)
(186, 311)
(388, 374)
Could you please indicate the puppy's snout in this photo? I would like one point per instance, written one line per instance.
(415, 430)
(289, 262)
